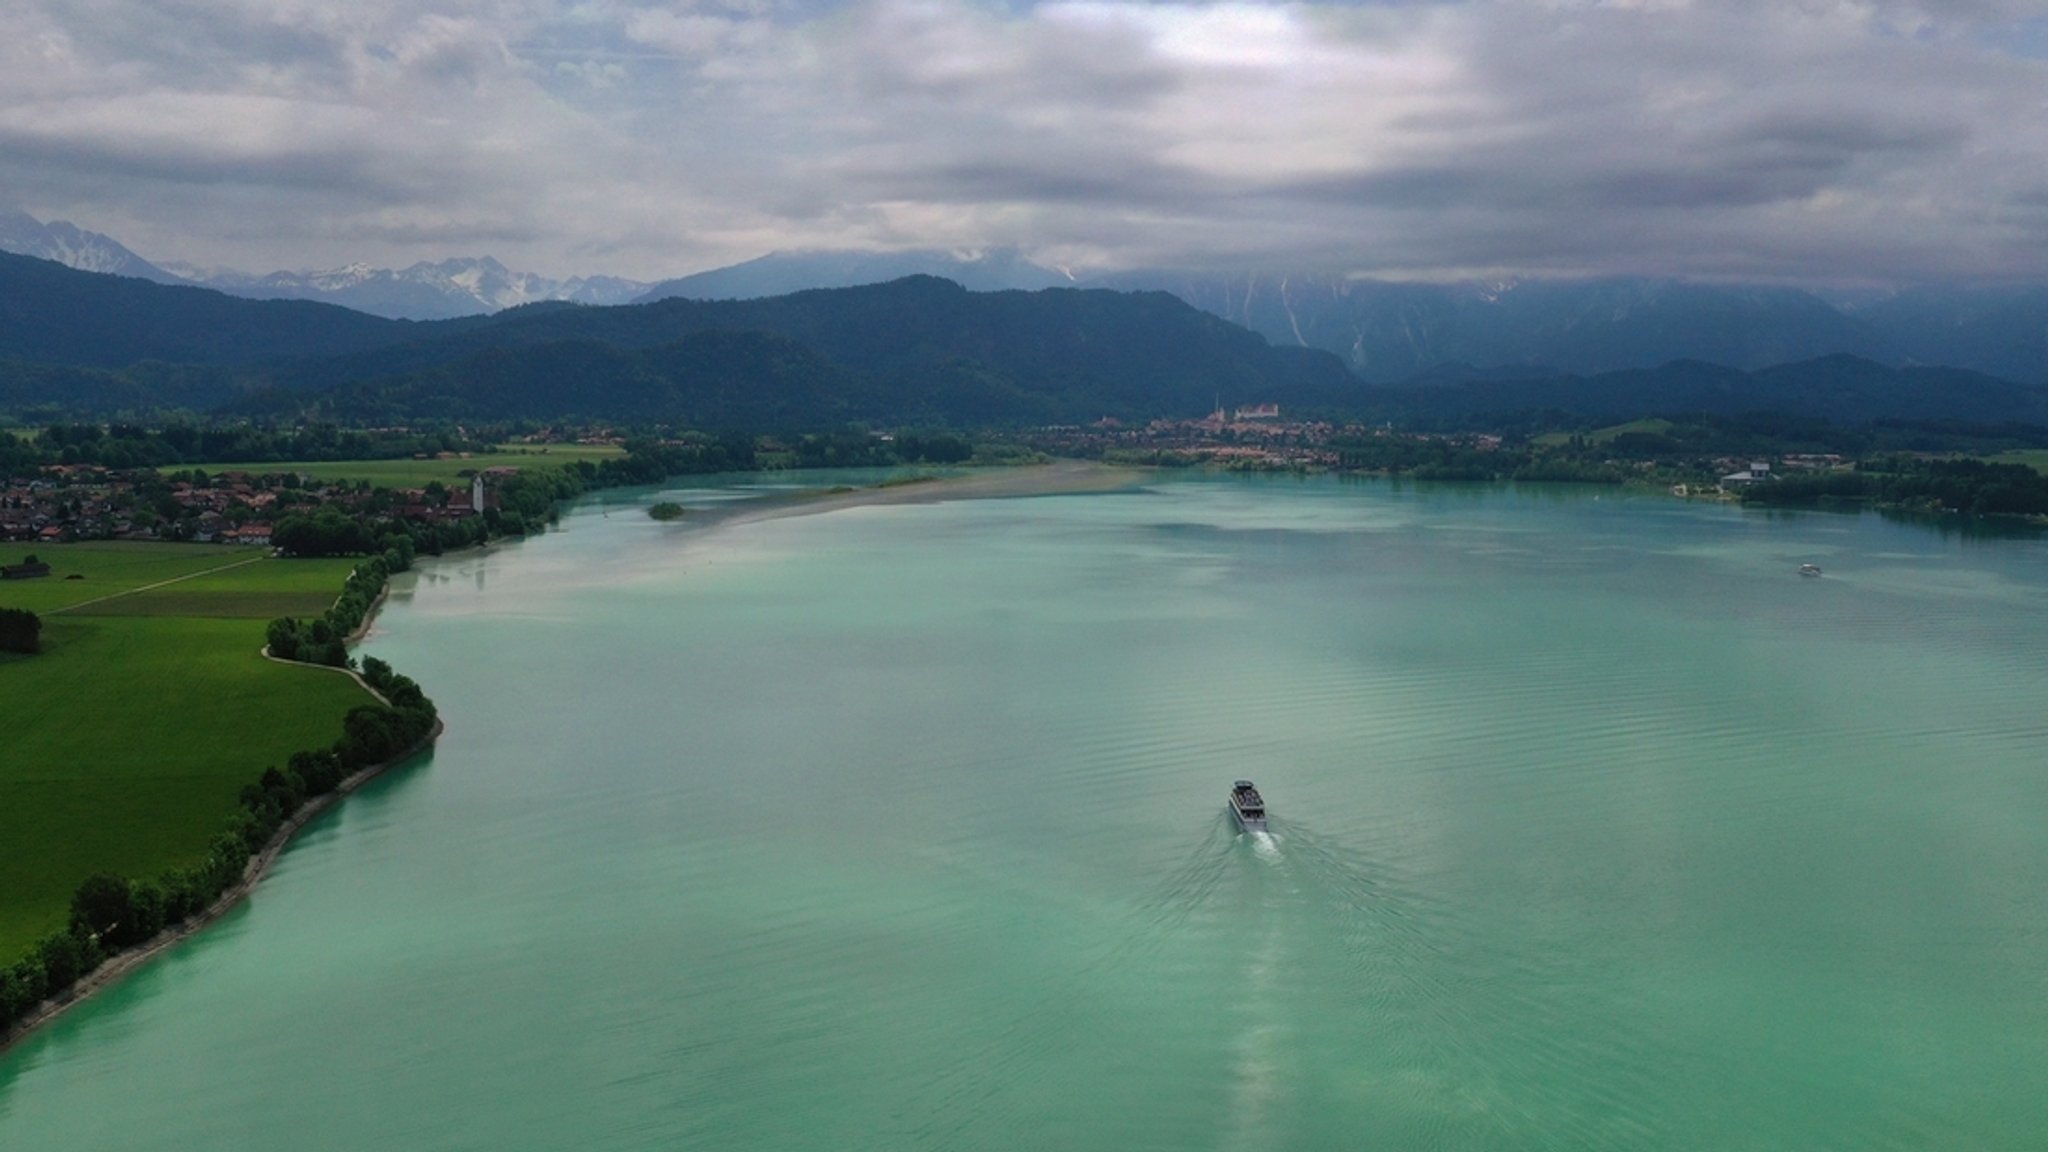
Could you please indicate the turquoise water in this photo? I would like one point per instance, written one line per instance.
(902, 828)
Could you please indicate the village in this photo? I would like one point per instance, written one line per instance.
(60, 503)
(1253, 437)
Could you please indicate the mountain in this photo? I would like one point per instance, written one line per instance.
(426, 291)
(55, 315)
(781, 273)
(912, 350)
(1389, 331)
(1841, 389)
(74, 247)
(2001, 330)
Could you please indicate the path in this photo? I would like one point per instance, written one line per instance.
(158, 584)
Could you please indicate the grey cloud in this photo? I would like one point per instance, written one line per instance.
(1777, 140)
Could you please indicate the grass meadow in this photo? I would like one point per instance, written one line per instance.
(416, 473)
(2035, 458)
(1603, 435)
(128, 739)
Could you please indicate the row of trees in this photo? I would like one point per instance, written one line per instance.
(1467, 458)
(111, 913)
(1973, 486)
(137, 446)
(324, 639)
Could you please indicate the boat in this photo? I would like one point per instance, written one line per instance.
(1809, 569)
(1247, 807)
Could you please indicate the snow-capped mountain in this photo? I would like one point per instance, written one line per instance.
(424, 291)
(74, 247)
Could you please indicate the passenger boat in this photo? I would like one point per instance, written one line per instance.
(1809, 569)
(1247, 807)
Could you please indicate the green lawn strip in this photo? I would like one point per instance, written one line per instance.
(417, 473)
(174, 601)
(128, 742)
(107, 567)
(264, 590)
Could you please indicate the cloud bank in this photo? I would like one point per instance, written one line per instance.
(1797, 140)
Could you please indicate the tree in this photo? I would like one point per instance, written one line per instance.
(20, 631)
(116, 912)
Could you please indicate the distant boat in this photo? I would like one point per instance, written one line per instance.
(1247, 807)
(1809, 569)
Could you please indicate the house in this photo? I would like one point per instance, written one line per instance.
(1757, 472)
(28, 569)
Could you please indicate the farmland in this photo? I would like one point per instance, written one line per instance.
(132, 733)
(414, 473)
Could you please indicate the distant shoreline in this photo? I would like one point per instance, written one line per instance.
(1061, 477)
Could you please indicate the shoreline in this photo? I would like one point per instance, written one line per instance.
(117, 966)
(120, 964)
(1061, 477)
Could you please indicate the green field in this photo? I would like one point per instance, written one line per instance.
(131, 734)
(1603, 435)
(416, 473)
(2035, 458)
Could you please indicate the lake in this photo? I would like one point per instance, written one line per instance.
(1594, 827)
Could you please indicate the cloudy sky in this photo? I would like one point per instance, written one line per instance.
(1826, 141)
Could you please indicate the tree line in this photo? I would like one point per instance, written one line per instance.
(111, 913)
(1977, 487)
(130, 445)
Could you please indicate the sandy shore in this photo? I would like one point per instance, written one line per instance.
(1059, 478)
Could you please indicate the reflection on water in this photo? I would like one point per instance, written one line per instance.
(1593, 827)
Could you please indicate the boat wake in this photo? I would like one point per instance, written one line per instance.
(1306, 933)
(1257, 1078)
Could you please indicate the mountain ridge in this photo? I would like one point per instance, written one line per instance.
(63, 242)
(428, 290)
(1384, 331)
(920, 349)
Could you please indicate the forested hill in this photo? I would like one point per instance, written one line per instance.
(917, 349)
(58, 316)
(79, 344)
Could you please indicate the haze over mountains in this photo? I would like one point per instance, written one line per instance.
(1384, 332)
(780, 273)
(441, 290)
(438, 290)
